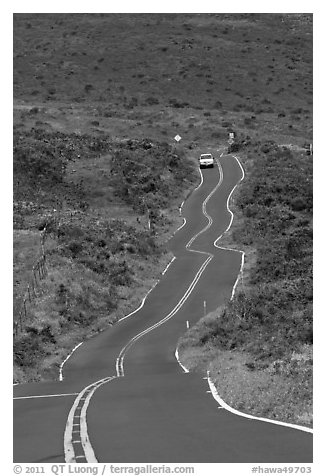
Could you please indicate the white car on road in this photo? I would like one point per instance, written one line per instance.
(206, 160)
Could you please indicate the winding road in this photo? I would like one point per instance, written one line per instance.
(124, 397)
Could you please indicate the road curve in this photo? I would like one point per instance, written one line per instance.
(141, 406)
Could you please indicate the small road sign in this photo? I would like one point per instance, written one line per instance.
(177, 138)
(231, 135)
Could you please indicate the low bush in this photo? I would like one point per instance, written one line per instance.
(150, 176)
(273, 317)
(151, 101)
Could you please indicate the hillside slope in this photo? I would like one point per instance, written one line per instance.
(258, 347)
(98, 99)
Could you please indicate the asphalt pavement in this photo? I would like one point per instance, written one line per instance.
(152, 411)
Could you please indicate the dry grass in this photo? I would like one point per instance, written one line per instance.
(27, 249)
(134, 76)
(89, 301)
(98, 271)
(262, 393)
(276, 393)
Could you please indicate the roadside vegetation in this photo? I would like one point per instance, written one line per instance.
(260, 343)
(198, 75)
(98, 266)
(98, 99)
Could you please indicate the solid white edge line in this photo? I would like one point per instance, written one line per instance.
(123, 318)
(68, 357)
(181, 226)
(228, 228)
(250, 417)
(179, 362)
(144, 299)
(45, 396)
(239, 275)
(210, 382)
(210, 221)
(167, 267)
(89, 452)
(201, 180)
(119, 320)
(139, 307)
(124, 350)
